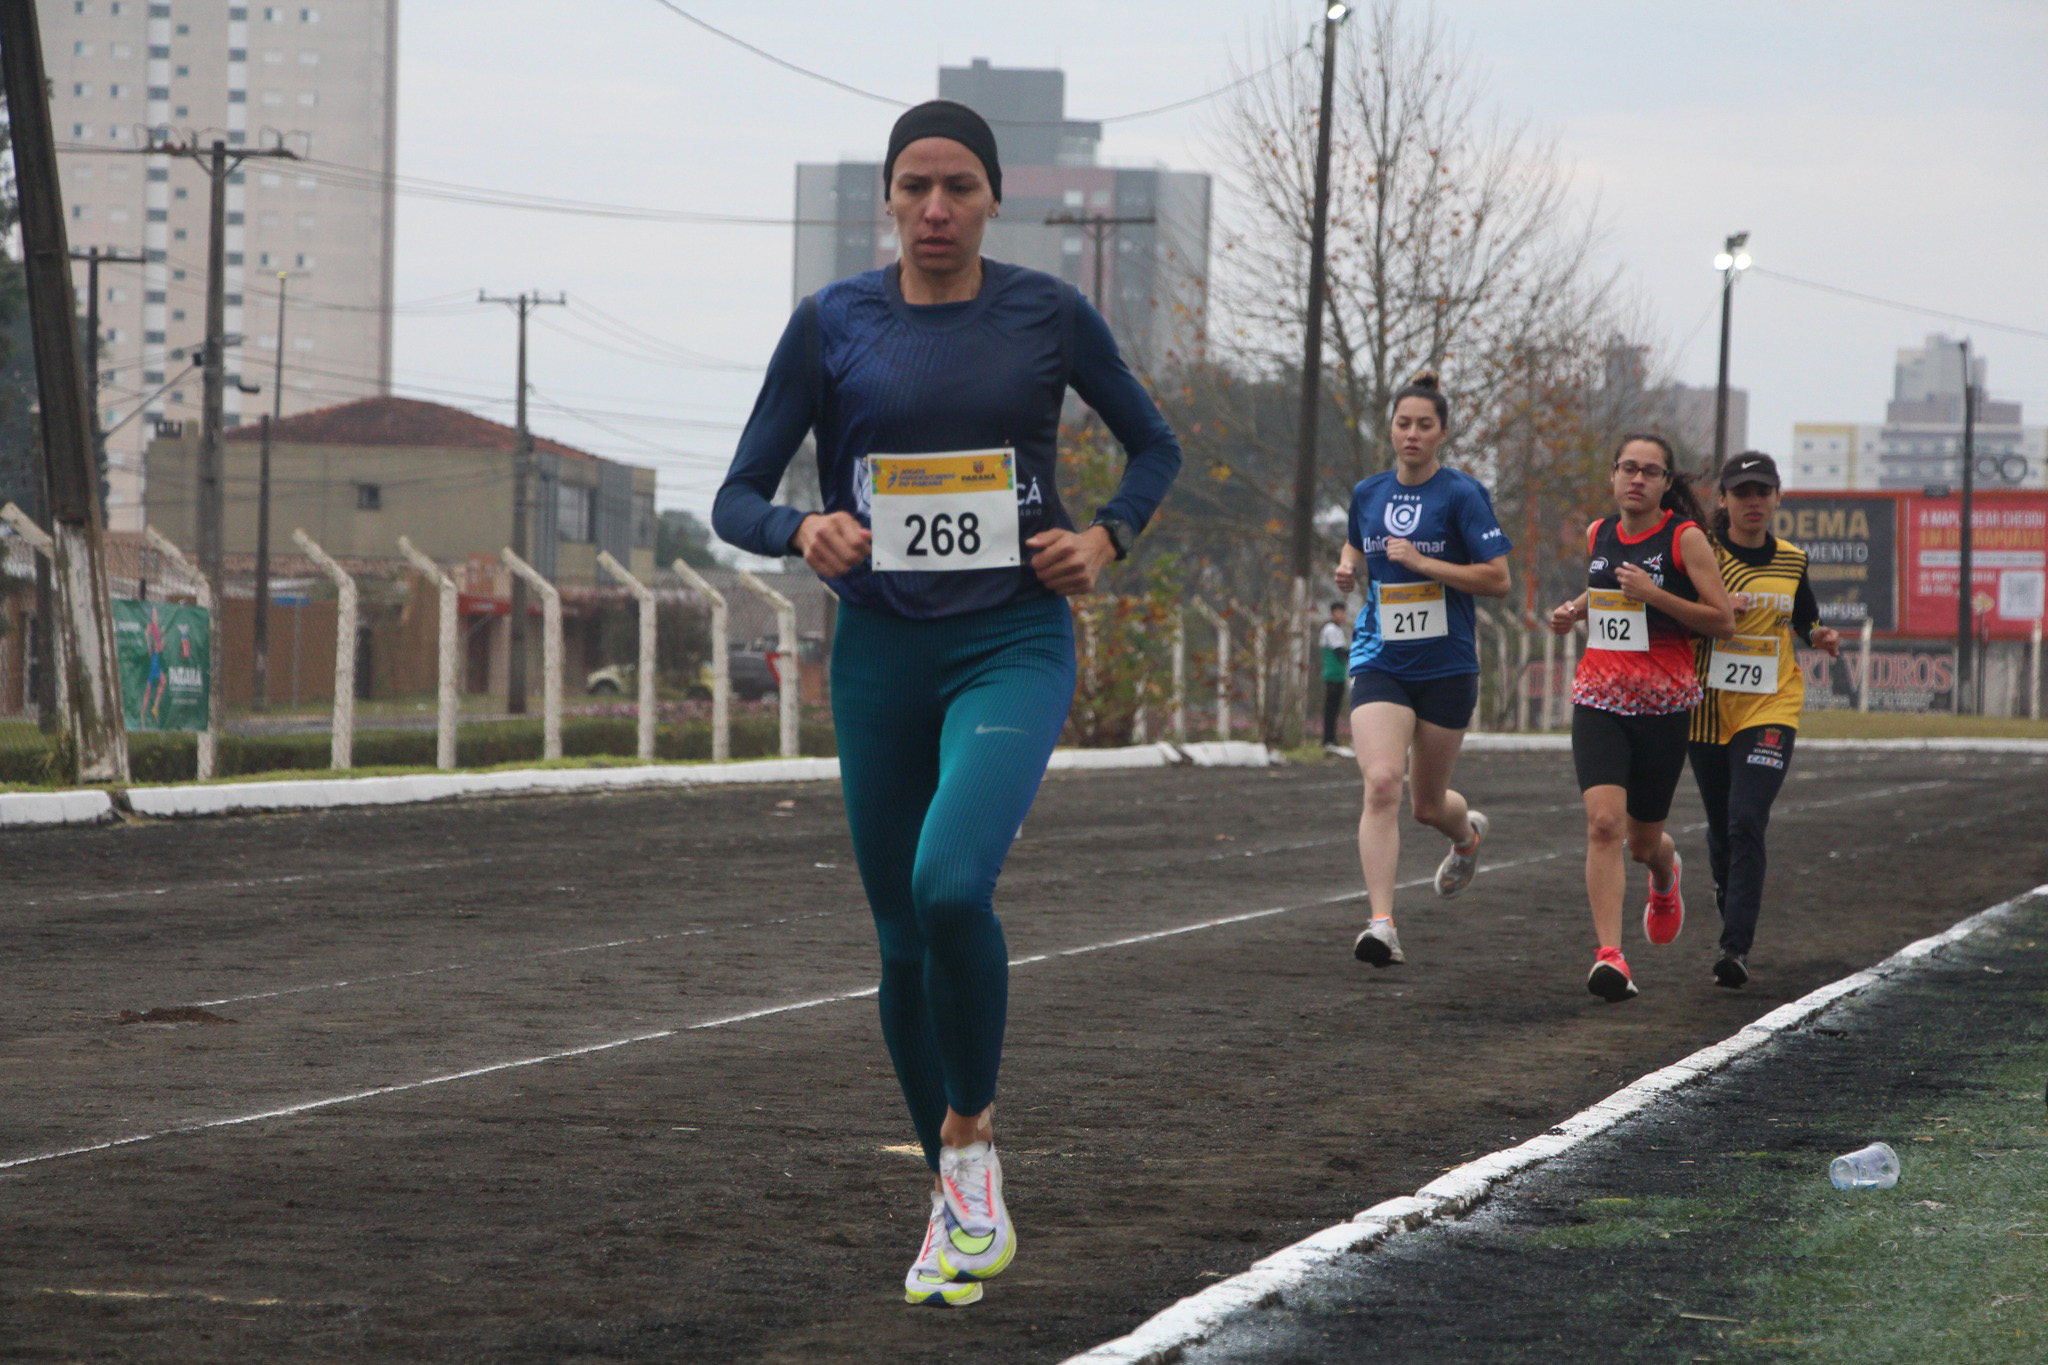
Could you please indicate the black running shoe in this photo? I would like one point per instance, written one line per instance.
(1731, 971)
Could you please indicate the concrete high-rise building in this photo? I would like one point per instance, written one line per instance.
(1921, 440)
(1680, 412)
(321, 80)
(1153, 282)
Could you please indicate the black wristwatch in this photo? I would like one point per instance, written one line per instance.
(1121, 533)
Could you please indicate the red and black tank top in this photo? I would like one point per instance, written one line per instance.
(1640, 682)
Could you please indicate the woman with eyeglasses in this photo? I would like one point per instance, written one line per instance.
(1652, 583)
(1742, 732)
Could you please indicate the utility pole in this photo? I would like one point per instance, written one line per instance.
(220, 163)
(522, 474)
(1099, 226)
(85, 626)
(1966, 609)
(260, 691)
(1312, 376)
(92, 258)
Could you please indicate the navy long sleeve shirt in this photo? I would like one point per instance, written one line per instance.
(871, 374)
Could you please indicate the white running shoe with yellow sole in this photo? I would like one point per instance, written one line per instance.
(980, 1240)
(928, 1281)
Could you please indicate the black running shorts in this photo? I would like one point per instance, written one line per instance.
(1445, 702)
(1643, 755)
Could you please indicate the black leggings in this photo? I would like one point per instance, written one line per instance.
(1333, 702)
(1738, 782)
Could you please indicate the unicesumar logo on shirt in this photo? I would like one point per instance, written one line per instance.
(1402, 517)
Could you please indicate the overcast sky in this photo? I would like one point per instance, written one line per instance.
(1885, 147)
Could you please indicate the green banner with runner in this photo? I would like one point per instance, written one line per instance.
(166, 663)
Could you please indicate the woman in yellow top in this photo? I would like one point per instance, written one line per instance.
(1742, 732)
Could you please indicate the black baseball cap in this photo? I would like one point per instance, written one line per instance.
(1751, 466)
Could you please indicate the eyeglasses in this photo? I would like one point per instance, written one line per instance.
(1628, 469)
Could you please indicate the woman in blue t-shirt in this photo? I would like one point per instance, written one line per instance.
(934, 387)
(1423, 540)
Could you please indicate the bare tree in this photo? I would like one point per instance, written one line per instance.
(1453, 239)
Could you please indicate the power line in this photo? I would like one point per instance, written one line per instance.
(782, 62)
(833, 81)
(2034, 332)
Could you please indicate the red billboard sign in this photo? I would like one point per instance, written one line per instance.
(2008, 568)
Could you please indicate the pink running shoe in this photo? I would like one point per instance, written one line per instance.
(1609, 978)
(1664, 915)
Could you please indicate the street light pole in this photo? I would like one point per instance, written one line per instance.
(1312, 362)
(1966, 608)
(1732, 261)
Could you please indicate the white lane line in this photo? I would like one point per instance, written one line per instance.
(385, 977)
(87, 897)
(330, 1101)
(1167, 1335)
(512, 960)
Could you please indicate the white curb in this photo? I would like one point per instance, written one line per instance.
(55, 808)
(1163, 1337)
(1491, 742)
(326, 793)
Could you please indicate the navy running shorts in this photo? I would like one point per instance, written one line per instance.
(1444, 702)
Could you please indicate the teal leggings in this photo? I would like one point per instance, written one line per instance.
(944, 731)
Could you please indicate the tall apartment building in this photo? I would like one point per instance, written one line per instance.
(129, 76)
(1681, 412)
(1153, 282)
(1920, 442)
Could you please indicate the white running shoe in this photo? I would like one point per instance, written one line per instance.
(1454, 873)
(980, 1239)
(1379, 945)
(928, 1281)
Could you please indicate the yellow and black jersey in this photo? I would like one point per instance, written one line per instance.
(1754, 679)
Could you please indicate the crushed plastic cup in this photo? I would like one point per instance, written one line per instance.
(1875, 1167)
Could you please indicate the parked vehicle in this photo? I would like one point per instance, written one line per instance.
(754, 676)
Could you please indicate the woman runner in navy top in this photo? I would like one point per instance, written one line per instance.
(1652, 584)
(1422, 541)
(934, 389)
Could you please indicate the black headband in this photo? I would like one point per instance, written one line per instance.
(947, 119)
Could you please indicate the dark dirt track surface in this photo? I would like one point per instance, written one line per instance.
(1171, 1109)
(1880, 1063)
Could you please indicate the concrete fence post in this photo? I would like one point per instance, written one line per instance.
(1863, 685)
(644, 595)
(342, 746)
(39, 540)
(721, 661)
(1180, 675)
(1549, 679)
(550, 652)
(2034, 674)
(1258, 665)
(788, 676)
(446, 623)
(202, 591)
(1221, 625)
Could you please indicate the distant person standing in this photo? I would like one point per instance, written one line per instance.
(1336, 643)
(933, 387)
(1742, 732)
